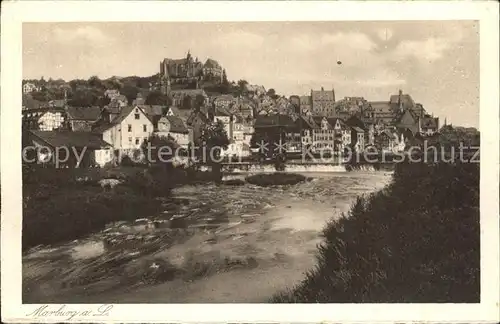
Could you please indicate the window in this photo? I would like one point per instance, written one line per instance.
(129, 128)
(130, 139)
(137, 114)
(137, 141)
(144, 128)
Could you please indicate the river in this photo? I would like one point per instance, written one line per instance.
(230, 244)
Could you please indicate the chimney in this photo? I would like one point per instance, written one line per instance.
(322, 89)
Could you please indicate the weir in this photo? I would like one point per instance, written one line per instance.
(255, 167)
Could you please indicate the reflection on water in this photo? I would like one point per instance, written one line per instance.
(208, 241)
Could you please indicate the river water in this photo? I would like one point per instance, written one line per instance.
(211, 244)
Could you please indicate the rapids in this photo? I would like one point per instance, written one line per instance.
(211, 244)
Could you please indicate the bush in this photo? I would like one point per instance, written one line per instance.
(275, 179)
(415, 241)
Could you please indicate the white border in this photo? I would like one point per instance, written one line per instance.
(14, 13)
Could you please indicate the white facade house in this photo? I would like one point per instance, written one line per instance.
(29, 87)
(127, 131)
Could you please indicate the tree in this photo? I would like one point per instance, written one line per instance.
(158, 98)
(95, 82)
(130, 92)
(213, 140)
(271, 93)
(224, 78)
(83, 98)
(242, 84)
(199, 101)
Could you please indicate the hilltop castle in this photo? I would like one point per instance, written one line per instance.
(189, 69)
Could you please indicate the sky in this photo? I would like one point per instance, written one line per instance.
(436, 62)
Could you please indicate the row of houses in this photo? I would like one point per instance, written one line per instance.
(332, 134)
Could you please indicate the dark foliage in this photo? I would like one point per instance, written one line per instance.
(58, 208)
(415, 241)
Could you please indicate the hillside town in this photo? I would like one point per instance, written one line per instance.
(119, 114)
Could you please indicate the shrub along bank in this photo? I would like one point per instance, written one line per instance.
(415, 241)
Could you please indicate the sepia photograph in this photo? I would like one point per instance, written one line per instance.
(250, 162)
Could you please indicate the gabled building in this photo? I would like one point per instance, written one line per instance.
(179, 95)
(29, 87)
(323, 135)
(342, 134)
(174, 127)
(126, 131)
(91, 149)
(82, 119)
(44, 119)
(358, 138)
(428, 125)
(323, 102)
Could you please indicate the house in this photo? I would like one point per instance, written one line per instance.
(29, 87)
(119, 100)
(196, 122)
(174, 127)
(358, 136)
(82, 119)
(305, 105)
(44, 119)
(387, 141)
(381, 111)
(70, 149)
(323, 136)
(226, 118)
(111, 93)
(224, 101)
(408, 121)
(401, 102)
(255, 89)
(179, 95)
(154, 113)
(307, 126)
(342, 133)
(323, 102)
(428, 125)
(273, 130)
(126, 131)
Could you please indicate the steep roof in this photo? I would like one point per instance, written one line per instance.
(71, 139)
(357, 129)
(307, 121)
(118, 119)
(151, 110)
(84, 113)
(177, 125)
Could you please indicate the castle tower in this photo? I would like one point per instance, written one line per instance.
(400, 100)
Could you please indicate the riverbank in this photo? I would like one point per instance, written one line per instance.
(417, 241)
(233, 237)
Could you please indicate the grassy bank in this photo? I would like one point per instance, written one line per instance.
(415, 241)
